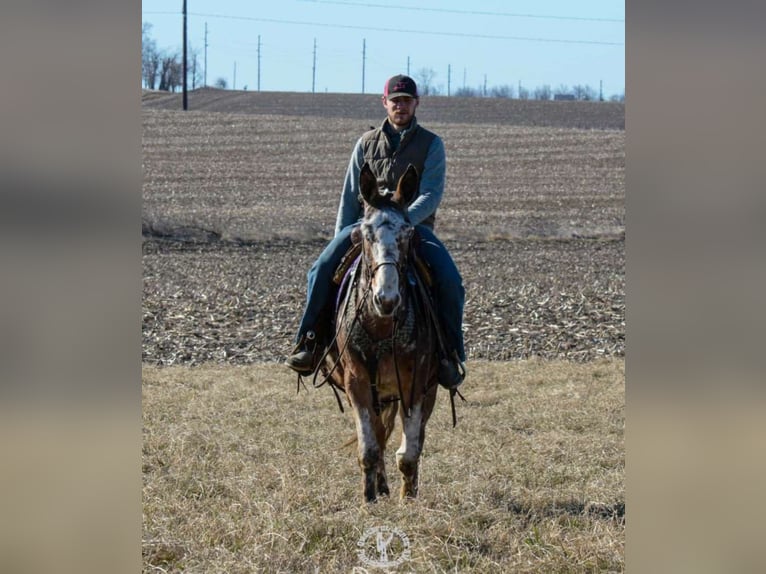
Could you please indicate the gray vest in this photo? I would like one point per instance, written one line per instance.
(388, 166)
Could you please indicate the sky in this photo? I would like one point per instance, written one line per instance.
(359, 44)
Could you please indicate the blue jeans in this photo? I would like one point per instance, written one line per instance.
(448, 284)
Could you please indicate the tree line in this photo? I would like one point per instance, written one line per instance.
(544, 92)
(163, 70)
(425, 78)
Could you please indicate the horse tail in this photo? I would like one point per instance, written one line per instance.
(389, 418)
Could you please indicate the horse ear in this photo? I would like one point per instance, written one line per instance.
(407, 187)
(368, 184)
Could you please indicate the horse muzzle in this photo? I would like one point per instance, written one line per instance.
(385, 306)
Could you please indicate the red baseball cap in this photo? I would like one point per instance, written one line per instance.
(400, 85)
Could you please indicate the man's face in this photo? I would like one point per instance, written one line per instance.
(400, 110)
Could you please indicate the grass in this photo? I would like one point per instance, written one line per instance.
(242, 475)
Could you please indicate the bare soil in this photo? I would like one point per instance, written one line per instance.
(240, 194)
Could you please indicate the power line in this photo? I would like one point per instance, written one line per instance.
(471, 12)
(403, 31)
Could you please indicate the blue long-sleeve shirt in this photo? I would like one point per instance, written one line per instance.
(431, 188)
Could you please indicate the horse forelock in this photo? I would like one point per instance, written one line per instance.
(385, 202)
(386, 226)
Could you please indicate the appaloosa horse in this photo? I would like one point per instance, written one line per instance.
(385, 352)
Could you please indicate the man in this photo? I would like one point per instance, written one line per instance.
(388, 150)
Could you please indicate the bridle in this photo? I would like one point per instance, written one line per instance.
(372, 269)
(400, 266)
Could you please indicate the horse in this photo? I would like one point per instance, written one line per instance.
(385, 354)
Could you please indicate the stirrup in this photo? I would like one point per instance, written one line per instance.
(462, 369)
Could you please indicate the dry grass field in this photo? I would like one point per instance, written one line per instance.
(241, 475)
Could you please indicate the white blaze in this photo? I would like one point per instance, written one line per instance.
(385, 251)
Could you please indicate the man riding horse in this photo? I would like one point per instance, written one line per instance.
(399, 142)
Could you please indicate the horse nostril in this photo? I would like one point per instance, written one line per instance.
(386, 305)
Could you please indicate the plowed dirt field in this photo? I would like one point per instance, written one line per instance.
(240, 194)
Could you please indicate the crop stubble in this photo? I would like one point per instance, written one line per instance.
(237, 205)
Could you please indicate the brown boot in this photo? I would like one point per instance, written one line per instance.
(303, 359)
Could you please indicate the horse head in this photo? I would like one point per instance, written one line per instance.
(386, 233)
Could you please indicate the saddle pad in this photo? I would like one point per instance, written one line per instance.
(345, 281)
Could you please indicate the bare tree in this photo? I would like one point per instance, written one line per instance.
(424, 78)
(150, 57)
(194, 68)
(504, 91)
(171, 72)
(466, 92)
(221, 83)
(563, 89)
(543, 92)
(523, 93)
(584, 92)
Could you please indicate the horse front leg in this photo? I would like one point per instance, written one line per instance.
(381, 480)
(413, 439)
(361, 408)
(387, 420)
(408, 454)
(368, 452)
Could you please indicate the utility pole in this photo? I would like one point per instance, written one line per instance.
(485, 85)
(314, 69)
(449, 77)
(364, 56)
(205, 81)
(186, 102)
(259, 62)
(601, 90)
(408, 65)
(464, 78)
(234, 83)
